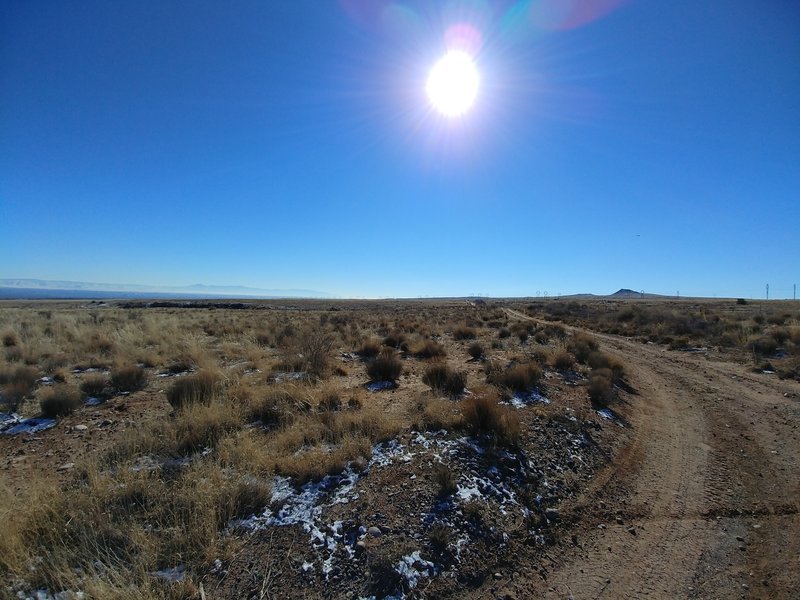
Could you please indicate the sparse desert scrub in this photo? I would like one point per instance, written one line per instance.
(369, 349)
(563, 361)
(434, 414)
(311, 347)
(428, 349)
(484, 415)
(94, 385)
(443, 379)
(128, 378)
(519, 378)
(16, 383)
(200, 426)
(476, 350)
(601, 387)
(59, 400)
(9, 338)
(581, 346)
(464, 332)
(193, 389)
(385, 367)
(445, 480)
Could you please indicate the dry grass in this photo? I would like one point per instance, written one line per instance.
(443, 379)
(484, 415)
(194, 389)
(385, 367)
(59, 400)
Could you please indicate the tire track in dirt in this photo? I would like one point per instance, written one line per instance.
(708, 484)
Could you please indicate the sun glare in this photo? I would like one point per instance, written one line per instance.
(453, 84)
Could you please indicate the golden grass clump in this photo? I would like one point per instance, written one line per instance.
(199, 388)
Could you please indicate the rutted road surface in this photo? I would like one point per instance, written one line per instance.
(704, 501)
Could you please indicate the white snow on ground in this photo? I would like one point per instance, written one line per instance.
(526, 399)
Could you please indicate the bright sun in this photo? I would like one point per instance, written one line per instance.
(453, 84)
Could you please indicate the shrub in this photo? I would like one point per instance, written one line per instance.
(94, 385)
(446, 482)
(598, 360)
(464, 333)
(385, 367)
(442, 378)
(476, 351)
(601, 387)
(10, 338)
(59, 400)
(369, 349)
(429, 349)
(563, 361)
(763, 346)
(581, 346)
(315, 345)
(503, 333)
(518, 378)
(483, 415)
(130, 378)
(440, 537)
(194, 389)
(741, 301)
(396, 339)
(17, 384)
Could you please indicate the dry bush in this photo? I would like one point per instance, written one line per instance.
(434, 414)
(441, 378)
(129, 378)
(202, 426)
(10, 338)
(314, 346)
(763, 346)
(385, 367)
(428, 349)
(598, 360)
(582, 345)
(95, 385)
(396, 339)
(483, 415)
(369, 349)
(194, 389)
(464, 333)
(440, 537)
(446, 482)
(563, 361)
(476, 351)
(518, 378)
(59, 400)
(17, 384)
(601, 387)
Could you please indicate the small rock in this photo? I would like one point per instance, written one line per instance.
(632, 530)
(619, 520)
(506, 594)
(360, 545)
(66, 467)
(375, 531)
(498, 575)
(81, 427)
(551, 514)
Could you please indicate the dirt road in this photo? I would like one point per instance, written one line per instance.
(704, 501)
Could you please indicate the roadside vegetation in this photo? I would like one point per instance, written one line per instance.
(215, 403)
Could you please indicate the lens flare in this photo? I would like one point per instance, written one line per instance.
(453, 84)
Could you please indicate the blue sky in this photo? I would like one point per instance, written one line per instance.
(645, 144)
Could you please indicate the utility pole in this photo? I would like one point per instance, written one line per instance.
(767, 291)
(794, 291)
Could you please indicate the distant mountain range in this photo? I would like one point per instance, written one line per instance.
(41, 288)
